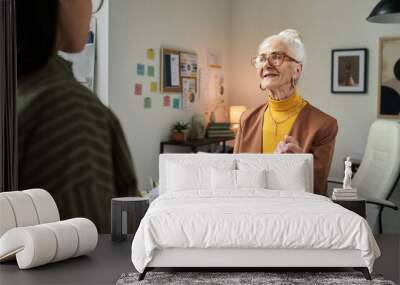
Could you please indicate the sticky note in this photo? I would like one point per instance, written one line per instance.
(150, 71)
(175, 103)
(153, 87)
(150, 54)
(167, 101)
(138, 89)
(140, 69)
(147, 103)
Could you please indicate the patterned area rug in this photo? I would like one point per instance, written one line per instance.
(243, 278)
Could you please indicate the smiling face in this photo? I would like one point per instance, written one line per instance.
(275, 77)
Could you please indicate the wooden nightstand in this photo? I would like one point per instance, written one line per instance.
(357, 206)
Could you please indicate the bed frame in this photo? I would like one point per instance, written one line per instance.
(244, 259)
(250, 259)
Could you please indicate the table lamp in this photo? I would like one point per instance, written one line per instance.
(234, 116)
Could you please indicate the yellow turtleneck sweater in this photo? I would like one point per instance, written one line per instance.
(284, 112)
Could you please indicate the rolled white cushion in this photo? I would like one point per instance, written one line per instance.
(33, 246)
(87, 234)
(45, 205)
(23, 208)
(37, 245)
(67, 240)
(7, 218)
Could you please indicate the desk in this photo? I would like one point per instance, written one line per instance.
(195, 144)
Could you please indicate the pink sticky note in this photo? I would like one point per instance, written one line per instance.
(167, 101)
(138, 89)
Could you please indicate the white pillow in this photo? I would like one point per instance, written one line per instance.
(236, 179)
(283, 173)
(292, 179)
(190, 175)
(183, 178)
(251, 178)
(223, 179)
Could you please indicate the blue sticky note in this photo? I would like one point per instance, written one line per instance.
(140, 69)
(175, 103)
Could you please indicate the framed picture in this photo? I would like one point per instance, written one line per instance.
(389, 78)
(189, 92)
(188, 64)
(170, 71)
(349, 70)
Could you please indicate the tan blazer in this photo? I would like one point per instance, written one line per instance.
(313, 129)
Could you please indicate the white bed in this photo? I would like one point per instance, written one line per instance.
(219, 211)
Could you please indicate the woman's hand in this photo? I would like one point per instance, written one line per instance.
(288, 145)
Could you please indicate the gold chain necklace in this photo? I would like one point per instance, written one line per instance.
(276, 123)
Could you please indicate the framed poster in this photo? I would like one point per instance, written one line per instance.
(189, 93)
(389, 78)
(188, 64)
(170, 71)
(349, 70)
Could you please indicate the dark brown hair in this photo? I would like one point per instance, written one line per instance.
(36, 34)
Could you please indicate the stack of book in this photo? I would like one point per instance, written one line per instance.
(344, 194)
(216, 130)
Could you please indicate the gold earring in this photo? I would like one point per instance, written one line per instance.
(293, 82)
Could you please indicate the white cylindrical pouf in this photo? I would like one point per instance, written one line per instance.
(7, 218)
(45, 205)
(35, 245)
(23, 208)
(87, 234)
(67, 239)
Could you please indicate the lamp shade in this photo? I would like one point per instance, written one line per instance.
(235, 112)
(386, 11)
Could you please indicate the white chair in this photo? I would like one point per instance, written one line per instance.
(379, 171)
(31, 231)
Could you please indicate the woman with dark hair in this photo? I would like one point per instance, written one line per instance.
(69, 143)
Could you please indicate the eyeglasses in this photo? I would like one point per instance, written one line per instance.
(274, 59)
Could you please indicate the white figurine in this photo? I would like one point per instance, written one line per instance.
(347, 174)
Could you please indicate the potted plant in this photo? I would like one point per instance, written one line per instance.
(179, 131)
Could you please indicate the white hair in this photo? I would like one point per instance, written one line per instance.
(292, 39)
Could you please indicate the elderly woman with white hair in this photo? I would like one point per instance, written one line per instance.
(287, 123)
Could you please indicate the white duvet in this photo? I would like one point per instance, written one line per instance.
(250, 219)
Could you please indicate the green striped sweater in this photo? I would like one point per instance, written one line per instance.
(71, 145)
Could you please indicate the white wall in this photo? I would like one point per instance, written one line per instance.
(324, 25)
(102, 50)
(134, 26)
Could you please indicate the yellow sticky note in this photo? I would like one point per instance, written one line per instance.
(150, 54)
(153, 87)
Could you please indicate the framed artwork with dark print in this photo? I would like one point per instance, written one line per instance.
(389, 78)
(349, 70)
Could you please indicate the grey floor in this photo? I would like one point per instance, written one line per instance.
(110, 260)
(102, 266)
